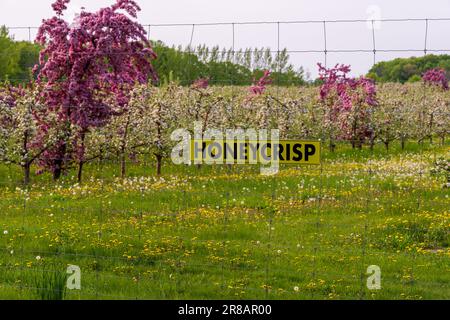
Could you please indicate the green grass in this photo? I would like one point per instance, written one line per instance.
(219, 232)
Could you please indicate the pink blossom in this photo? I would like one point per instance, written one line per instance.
(87, 69)
(336, 80)
(59, 6)
(201, 83)
(436, 77)
(347, 100)
(259, 87)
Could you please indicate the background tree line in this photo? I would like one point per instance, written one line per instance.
(17, 58)
(408, 69)
(224, 66)
(221, 65)
(182, 65)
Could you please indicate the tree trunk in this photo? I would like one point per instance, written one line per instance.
(27, 166)
(403, 142)
(372, 143)
(332, 145)
(354, 136)
(431, 128)
(59, 162)
(80, 171)
(123, 165)
(123, 148)
(360, 145)
(158, 164)
(26, 173)
(81, 161)
(57, 171)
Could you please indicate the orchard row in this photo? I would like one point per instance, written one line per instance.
(410, 112)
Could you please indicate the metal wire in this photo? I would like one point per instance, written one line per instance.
(268, 266)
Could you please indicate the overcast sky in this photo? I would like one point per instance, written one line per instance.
(294, 37)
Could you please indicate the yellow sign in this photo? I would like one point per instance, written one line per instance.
(254, 152)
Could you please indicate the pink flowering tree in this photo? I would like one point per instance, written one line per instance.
(256, 109)
(201, 83)
(434, 107)
(87, 69)
(260, 86)
(436, 77)
(348, 105)
(334, 82)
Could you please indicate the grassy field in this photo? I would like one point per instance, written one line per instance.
(220, 232)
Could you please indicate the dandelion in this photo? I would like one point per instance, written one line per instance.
(296, 289)
(38, 258)
(5, 232)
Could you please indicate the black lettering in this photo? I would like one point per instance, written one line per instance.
(243, 151)
(298, 152)
(288, 152)
(228, 151)
(278, 151)
(310, 150)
